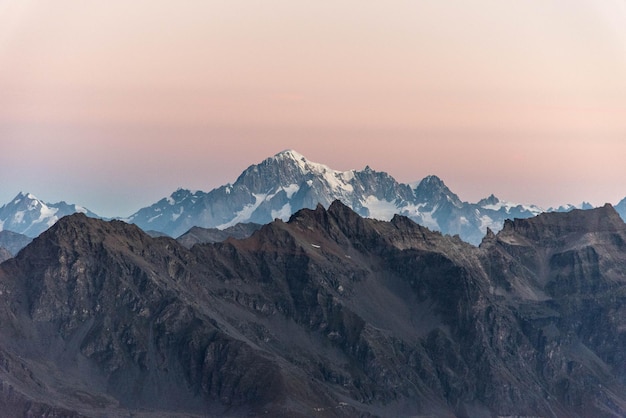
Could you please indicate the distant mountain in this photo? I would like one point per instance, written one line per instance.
(13, 242)
(326, 315)
(30, 216)
(199, 235)
(569, 207)
(287, 182)
(621, 208)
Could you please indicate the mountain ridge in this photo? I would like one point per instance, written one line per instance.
(327, 314)
(286, 182)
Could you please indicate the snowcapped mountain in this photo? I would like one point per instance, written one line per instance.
(275, 188)
(569, 207)
(28, 215)
(287, 182)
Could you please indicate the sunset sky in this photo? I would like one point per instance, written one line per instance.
(114, 104)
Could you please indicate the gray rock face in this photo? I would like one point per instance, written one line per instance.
(287, 182)
(328, 314)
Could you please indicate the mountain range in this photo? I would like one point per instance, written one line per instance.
(329, 314)
(280, 185)
(287, 182)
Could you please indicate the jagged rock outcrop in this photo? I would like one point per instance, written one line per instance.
(328, 314)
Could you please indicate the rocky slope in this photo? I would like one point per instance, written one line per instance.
(287, 182)
(329, 314)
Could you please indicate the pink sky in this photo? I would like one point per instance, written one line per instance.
(114, 104)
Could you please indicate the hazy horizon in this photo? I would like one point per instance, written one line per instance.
(113, 106)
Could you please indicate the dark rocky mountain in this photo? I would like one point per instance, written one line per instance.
(287, 182)
(329, 314)
(198, 235)
(27, 215)
(13, 242)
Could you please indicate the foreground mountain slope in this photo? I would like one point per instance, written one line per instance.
(287, 182)
(329, 314)
(30, 216)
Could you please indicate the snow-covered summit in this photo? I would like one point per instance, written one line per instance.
(26, 214)
(287, 181)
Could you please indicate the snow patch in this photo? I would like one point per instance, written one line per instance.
(427, 218)
(334, 178)
(18, 217)
(33, 205)
(244, 214)
(47, 214)
(335, 182)
(347, 175)
(380, 209)
(487, 222)
(154, 217)
(291, 190)
(177, 215)
(508, 206)
(283, 213)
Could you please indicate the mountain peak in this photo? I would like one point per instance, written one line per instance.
(491, 200)
(433, 189)
(28, 215)
(290, 154)
(21, 196)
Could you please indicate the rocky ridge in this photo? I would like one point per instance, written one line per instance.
(328, 314)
